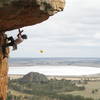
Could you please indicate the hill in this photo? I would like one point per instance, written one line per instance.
(34, 77)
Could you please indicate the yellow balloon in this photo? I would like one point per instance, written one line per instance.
(41, 51)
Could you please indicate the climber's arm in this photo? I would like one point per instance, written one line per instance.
(19, 34)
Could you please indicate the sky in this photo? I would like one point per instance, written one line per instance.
(75, 32)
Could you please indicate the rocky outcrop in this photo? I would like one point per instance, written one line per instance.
(34, 77)
(19, 13)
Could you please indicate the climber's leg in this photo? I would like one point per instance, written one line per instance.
(10, 38)
(7, 45)
(12, 43)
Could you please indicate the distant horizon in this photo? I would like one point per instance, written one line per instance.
(54, 57)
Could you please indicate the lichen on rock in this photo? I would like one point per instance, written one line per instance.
(51, 6)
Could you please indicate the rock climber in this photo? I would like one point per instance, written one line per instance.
(14, 42)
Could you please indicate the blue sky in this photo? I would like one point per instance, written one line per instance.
(75, 32)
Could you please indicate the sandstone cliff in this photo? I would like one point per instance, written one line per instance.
(3, 69)
(19, 13)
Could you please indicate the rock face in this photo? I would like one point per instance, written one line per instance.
(3, 69)
(19, 13)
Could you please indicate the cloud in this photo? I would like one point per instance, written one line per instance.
(76, 28)
(97, 35)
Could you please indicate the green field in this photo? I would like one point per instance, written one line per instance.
(88, 92)
(35, 86)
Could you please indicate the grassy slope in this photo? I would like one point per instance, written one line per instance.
(17, 93)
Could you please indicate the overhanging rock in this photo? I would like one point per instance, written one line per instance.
(19, 13)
